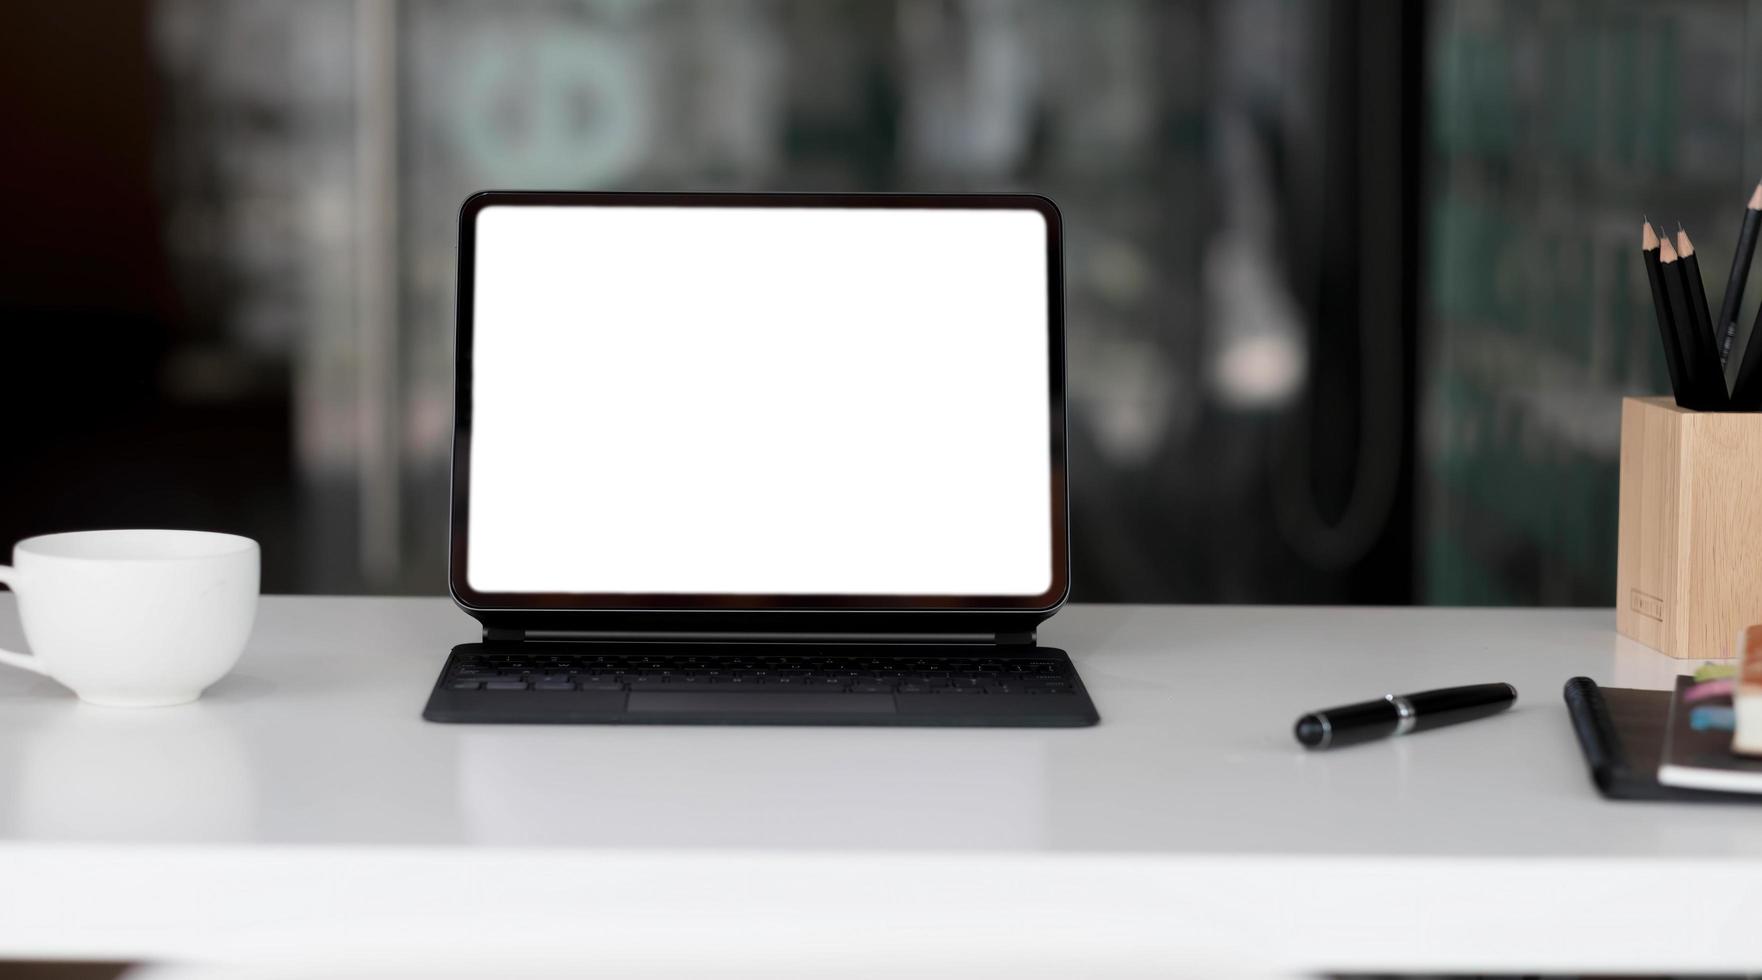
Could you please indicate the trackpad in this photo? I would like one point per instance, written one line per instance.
(735, 705)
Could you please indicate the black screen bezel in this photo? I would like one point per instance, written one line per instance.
(626, 609)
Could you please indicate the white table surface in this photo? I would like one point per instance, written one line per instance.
(303, 809)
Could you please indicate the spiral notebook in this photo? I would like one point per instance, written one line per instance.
(1622, 733)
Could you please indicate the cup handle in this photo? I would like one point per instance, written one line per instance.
(9, 578)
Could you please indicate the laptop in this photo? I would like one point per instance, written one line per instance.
(791, 459)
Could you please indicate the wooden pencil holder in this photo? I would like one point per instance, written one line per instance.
(1689, 560)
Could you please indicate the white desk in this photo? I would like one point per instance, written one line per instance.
(303, 809)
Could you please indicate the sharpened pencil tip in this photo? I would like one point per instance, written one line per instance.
(1648, 237)
(1756, 198)
(1665, 252)
(1684, 247)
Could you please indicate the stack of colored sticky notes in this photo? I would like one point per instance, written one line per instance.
(1709, 698)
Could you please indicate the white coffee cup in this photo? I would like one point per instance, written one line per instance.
(134, 618)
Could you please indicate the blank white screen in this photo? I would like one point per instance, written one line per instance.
(760, 400)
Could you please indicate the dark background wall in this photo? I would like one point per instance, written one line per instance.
(99, 428)
(1351, 286)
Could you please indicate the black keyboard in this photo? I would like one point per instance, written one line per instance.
(768, 672)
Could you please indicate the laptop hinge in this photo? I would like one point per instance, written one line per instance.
(503, 634)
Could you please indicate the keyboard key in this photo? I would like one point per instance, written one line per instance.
(504, 685)
(462, 686)
(552, 686)
(653, 683)
(738, 687)
(599, 686)
(871, 688)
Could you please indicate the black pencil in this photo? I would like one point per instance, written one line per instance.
(1740, 273)
(1746, 388)
(1697, 291)
(1661, 308)
(1700, 366)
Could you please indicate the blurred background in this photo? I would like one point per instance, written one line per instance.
(1353, 291)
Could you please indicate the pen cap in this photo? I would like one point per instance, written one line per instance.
(1433, 709)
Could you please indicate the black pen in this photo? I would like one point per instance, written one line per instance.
(1398, 714)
